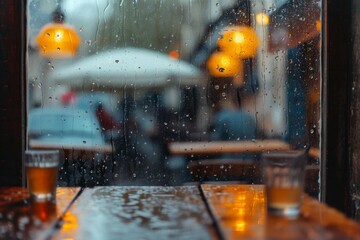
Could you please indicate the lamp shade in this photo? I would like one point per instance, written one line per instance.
(240, 41)
(222, 64)
(58, 40)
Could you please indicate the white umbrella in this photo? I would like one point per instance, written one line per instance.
(127, 67)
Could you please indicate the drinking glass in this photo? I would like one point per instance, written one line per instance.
(284, 177)
(42, 172)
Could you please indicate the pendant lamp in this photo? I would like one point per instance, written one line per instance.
(56, 39)
(222, 64)
(240, 41)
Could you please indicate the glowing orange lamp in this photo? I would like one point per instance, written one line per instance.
(222, 64)
(240, 41)
(58, 40)
(262, 19)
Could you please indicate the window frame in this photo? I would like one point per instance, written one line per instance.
(13, 91)
(337, 81)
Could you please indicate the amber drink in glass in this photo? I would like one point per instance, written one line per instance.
(284, 176)
(42, 172)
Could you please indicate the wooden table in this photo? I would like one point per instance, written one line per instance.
(105, 148)
(140, 213)
(243, 146)
(184, 212)
(240, 213)
(20, 219)
(218, 147)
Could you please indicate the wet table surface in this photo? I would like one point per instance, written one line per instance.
(138, 213)
(22, 219)
(186, 212)
(240, 213)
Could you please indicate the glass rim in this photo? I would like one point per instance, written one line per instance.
(42, 158)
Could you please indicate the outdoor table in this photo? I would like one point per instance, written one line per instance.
(105, 148)
(242, 146)
(219, 147)
(210, 211)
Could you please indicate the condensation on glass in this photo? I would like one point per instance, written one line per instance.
(154, 82)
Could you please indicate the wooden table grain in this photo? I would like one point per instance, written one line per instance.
(240, 213)
(23, 219)
(149, 212)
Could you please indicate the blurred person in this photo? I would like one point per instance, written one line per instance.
(110, 127)
(106, 120)
(231, 123)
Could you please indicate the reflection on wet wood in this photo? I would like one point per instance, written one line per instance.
(22, 219)
(238, 209)
(240, 212)
(138, 213)
(217, 147)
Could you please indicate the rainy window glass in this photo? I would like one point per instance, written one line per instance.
(156, 92)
